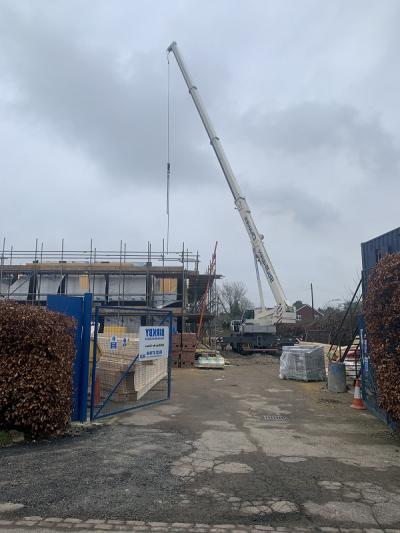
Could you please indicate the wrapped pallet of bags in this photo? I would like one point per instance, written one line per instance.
(303, 363)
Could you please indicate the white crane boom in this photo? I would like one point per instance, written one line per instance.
(256, 239)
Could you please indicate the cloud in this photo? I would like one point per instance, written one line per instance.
(112, 109)
(305, 209)
(310, 128)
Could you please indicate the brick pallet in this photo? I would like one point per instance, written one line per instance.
(184, 350)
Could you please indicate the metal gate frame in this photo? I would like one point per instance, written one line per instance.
(139, 311)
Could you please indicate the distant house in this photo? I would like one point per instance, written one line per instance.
(305, 313)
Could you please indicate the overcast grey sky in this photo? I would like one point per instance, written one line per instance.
(303, 94)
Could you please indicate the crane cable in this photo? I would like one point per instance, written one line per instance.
(168, 145)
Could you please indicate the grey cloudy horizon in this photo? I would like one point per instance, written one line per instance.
(303, 96)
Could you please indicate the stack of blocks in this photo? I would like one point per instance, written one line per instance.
(113, 364)
(176, 350)
(183, 350)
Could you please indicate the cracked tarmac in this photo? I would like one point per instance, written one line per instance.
(246, 449)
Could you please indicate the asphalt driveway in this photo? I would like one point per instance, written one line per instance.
(237, 446)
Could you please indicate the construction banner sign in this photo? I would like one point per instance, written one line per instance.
(153, 342)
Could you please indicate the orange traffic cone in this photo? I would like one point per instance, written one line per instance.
(357, 401)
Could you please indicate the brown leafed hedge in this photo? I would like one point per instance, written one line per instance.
(37, 350)
(382, 317)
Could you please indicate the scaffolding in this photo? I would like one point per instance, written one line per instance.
(208, 299)
(156, 279)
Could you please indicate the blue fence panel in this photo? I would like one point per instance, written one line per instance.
(78, 308)
(369, 386)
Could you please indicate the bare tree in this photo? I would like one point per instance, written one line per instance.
(233, 295)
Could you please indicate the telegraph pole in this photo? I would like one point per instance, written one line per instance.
(312, 301)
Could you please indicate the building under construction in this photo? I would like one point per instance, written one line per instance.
(125, 278)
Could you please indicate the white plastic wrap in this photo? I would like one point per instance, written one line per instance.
(304, 363)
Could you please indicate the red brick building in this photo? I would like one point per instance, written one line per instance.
(305, 313)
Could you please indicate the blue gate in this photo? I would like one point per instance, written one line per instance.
(132, 359)
(369, 386)
(80, 308)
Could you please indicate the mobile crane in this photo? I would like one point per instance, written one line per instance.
(257, 329)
